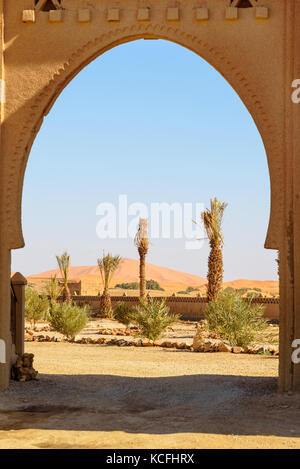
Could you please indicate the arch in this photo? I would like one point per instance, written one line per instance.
(42, 103)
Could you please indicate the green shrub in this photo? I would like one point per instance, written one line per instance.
(153, 318)
(128, 286)
(153, 285)
(191, 289)
(36, 306)
(150, 285)
(69, 319)
(123, 313)
(234, 319)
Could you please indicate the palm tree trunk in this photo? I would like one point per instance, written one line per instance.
(215, 271)
(66, 294)
(142, 274)
(105, 304)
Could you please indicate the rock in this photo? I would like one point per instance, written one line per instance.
(237, 349)
(28, 337)
(208, 347)
(180, 346)
(167, 344)
(221, 347)
(23, 369)
(122, 343)
(198, 340)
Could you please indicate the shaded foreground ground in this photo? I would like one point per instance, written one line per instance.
(91, 396)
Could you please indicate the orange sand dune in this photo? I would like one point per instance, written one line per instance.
(271, 286)
(169, 279)
(129, 272)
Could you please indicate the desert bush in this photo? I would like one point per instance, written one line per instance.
(153, 318)
(235, 319)
(123, 313)
(36, 306)
(69, 319)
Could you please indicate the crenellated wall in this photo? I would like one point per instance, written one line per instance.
(192, 308)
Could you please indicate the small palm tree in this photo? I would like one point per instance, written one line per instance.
(53, 291)
(108, 264)
(142, 243)
(64, 265)
(212, 219)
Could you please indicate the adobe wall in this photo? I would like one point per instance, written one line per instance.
(187, 308)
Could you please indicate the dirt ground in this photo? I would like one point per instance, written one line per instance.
(91, 396)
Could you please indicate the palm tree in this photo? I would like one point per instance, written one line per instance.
(142, 243)
(53, 291)
(212, 219)
(64, 264)
(108, 264)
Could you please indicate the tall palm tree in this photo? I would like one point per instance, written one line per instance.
(212, 219)
(64, 265)
(108, 264)
(142, 243)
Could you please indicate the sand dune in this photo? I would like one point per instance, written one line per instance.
(171, 280)
(129, 272)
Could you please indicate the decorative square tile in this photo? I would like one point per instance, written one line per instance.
(231, 13)
(113, 14)
(262, 12)
(28, 16)
(84, 15)
(55, 16)
(173, 14)
(202, 14)
(143, 14)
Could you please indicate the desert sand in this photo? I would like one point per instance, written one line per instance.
(109, 397)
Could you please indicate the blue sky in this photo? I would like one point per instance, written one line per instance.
(152, 120)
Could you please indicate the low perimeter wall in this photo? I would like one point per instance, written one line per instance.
(187, 308)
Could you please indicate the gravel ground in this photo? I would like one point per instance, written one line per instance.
(91, 396)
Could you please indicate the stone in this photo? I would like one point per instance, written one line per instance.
(28, 16)
(147, 343)
(23, 369)
(208, 347)
(236, 349)
(221, 347)
(198, 340)
(181, 345)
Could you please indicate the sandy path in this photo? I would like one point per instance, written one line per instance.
(110, 397)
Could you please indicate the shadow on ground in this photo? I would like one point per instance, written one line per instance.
(220, 404)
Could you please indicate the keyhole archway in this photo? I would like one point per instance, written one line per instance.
(66, 42)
